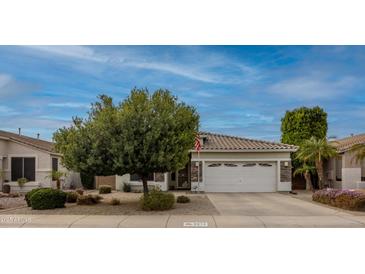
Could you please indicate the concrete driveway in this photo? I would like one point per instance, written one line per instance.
(266, 204)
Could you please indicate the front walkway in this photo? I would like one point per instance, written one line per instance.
(156, 221)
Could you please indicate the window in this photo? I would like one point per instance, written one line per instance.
(230, 165)
(22, 167)
(249, 165)
(264, 164)
(54, 164)
(214, 165)
(136, 177)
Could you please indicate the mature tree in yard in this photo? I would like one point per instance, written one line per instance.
(306, 170)
(300, 124)
(145, 133)
(303, 123)
(316, 150)
(86, 144)
(157, 132)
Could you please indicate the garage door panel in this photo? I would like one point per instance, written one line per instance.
(240, 177)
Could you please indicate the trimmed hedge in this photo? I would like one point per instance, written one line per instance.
(346, 199)
(183, 199)
(48, 199)
(30, 193)
(157, 200)
(104, 189)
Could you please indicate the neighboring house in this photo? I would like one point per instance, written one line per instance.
(31, 158)
(227, 164)
(344, 171)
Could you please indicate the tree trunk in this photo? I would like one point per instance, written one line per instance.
(58, 183)
(145, 186)
(319, 167)
(308, 180)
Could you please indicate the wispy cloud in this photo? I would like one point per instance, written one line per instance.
(10, 87)
(69, 105)
(7, 111)
(199, 71)
(311, 88)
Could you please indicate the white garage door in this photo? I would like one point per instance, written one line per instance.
(240, 177)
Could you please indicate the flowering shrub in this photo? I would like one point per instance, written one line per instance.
(346, 199)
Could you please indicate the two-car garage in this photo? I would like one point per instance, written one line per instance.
(236, 164)
(240, 176)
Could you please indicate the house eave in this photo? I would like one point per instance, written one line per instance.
(244, 150)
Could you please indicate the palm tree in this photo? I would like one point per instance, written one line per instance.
(306, 170)
(359, 151)
(316, 150)
(56, 176)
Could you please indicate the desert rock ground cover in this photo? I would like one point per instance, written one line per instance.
(199, 205)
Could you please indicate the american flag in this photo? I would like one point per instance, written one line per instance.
(198, 145)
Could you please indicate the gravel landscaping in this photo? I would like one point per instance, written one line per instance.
(7, 201)
(199, 205)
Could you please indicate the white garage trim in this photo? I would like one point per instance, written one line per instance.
(225, 178)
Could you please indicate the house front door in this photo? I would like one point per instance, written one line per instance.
(183, 178)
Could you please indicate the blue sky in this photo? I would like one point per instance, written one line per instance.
(238, 90)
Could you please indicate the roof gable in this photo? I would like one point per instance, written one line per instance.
(36, 143)
(345, 144)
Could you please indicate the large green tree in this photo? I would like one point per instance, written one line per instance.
(303, 123)
(157, 132)
(145, 133)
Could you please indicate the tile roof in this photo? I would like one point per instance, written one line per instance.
(346, 144)
(37, 143)
(224, 142)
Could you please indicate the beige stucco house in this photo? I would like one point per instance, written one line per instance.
(344, 171)
(31, 158)
(226, 164)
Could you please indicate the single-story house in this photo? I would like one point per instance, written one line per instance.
(343, 171)
(224, 164)
(31, 158)
(227, 164)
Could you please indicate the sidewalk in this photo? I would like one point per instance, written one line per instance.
(177, 221)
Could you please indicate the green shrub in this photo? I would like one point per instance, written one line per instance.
(104, 189)
(127, 187)
(87, 180)
(88, 199)
(183, 199)
(22, 181)
(71, 197)
(114, 201)
(30, 193)
(157, 200)
(48, 199)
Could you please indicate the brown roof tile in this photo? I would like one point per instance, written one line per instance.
(232, 143)
(37, 143)
(347, 143)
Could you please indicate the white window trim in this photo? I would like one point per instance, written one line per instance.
(10, 156)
